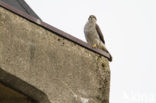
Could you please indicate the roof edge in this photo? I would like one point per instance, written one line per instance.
(54, 30)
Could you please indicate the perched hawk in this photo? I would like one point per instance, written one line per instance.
(94, 35)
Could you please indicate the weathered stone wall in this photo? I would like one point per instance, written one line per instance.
(63, 70)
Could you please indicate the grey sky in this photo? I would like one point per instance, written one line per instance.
(129, 28)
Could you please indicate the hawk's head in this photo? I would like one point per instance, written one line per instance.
(92, 18)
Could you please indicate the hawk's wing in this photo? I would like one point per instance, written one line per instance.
(100, 33)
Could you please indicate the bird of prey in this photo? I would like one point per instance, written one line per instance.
(94, 35)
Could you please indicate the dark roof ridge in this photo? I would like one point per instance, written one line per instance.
(21, 5)
(53, 29)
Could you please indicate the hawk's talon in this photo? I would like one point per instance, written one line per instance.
(94, 46)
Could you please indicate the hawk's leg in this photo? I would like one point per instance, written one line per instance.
(94, 46)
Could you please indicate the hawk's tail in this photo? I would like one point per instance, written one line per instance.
(105, 49)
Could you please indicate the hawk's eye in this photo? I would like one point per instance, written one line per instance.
(94, 17)
(91, 17)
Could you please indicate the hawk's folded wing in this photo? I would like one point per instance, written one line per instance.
(100, 33)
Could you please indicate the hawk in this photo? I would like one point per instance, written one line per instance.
(94, 35)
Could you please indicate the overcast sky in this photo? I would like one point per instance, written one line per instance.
(129, 28)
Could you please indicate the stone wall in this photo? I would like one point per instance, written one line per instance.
(63, 70)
